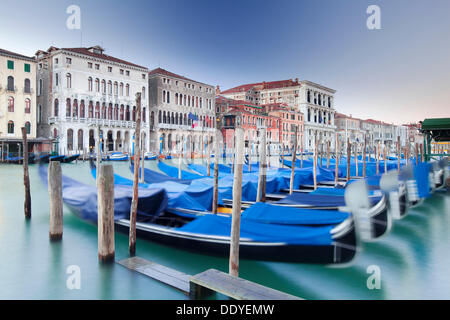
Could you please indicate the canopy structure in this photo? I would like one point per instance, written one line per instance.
(437, 129)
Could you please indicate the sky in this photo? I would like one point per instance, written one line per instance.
(398, 74)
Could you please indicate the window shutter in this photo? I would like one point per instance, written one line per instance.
(27, 67)
(11, 64)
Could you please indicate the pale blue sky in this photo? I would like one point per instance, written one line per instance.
(397, 74)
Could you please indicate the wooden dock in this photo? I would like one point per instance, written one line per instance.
(237, 288)
(205, 283)
(171, 277)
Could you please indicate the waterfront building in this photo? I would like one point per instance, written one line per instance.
(83, 90)
(289, 120)
(351, 129)
(17, 99)
(181, 109)
(314, 101)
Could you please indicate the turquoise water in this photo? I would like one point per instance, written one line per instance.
(413, 259)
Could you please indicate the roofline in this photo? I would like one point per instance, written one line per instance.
(7, 53)
(73, 53)
(307, 82)
(177, 77)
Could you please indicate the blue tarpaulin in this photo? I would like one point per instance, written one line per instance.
(221, 226)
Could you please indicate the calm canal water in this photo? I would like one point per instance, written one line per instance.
(413, 259)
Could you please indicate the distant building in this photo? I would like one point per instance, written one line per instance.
(279, 120)
(83, 90)
(314, 101)
(17, 99)
(181, 110)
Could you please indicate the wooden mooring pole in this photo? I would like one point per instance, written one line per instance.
(416, 153)
(336, 166)
(105, 216)
(216, 172)
(143, 162)
(208, 154)
(349, 146)
(385, 157)
(236, 210)
(364, 156)
(56, 200)
(134, 201)
(26, 177)
(378, 157)
(399, 153)
(356, 159)
(261, 191)
(294, 155)
(315, 158)
(328, 154)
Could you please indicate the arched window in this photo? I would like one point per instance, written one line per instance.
(82, 109)
(127, 89)
(196, 102)
(10, 104)
(116, 112)
(10, 86)
(122, 112)
(164, 95)
(103, 110)
(56, 108)
(152, 118)
(110, 87)
(176, 98)
(40, 87)
(27, 86)
(70, 139)
(127, 114)
(144, 118)
(80, 139)
(89, 84)
(68, 108)
(116, 89)
(97, 85)
(69, 81)
(10, 127)
(55, 133)
(121, 88)
(143, 92)
(103, 86)
(75, 108)
(91, 109)
(159, 116)
(28, 127)
(39, 115)
(110, 112)
(97, 110)
(164, 117)
(27, 106)
(168, 97)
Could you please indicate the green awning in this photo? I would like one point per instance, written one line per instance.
(438, 128)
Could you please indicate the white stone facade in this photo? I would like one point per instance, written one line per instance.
(172, 99)
(83, 90)
(316, 102)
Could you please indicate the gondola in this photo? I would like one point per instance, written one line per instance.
(117, 156)
(68, 159)
(19, 160)
(43, 158)
(209, 234)
(57, 158)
